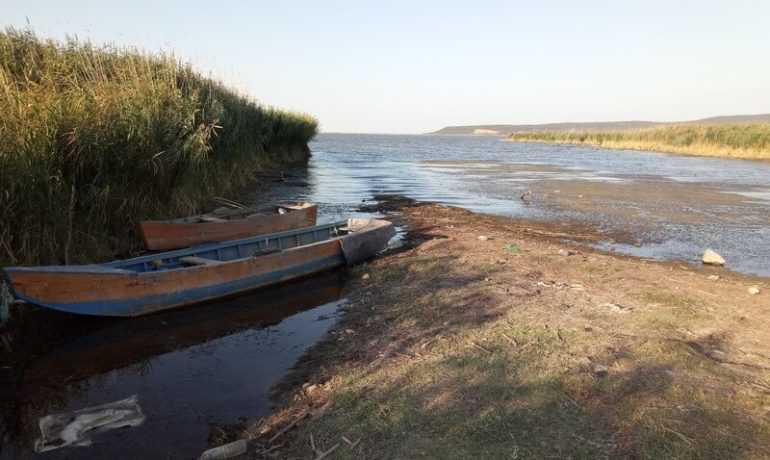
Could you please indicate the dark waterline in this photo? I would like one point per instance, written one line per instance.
(193, 369)
(723, 204)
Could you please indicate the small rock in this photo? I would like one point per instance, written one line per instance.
(712, 258)
(365, 276)
(487, 279)
(714, 277)
(349, 331)
(588, 328)
(600, 370)
(502, 261)
(566, 252)
(753, 290)
(483, 238)
(617, 308)
(577, 287)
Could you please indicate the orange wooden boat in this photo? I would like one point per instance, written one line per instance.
(225, 225)
(170, 279)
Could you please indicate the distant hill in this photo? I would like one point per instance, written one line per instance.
(504, 130)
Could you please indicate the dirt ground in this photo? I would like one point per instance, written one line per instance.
(490, 337)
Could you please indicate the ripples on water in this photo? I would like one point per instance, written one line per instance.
(698, 202)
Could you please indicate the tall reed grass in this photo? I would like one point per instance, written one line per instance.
(733, 141)
(94, 138)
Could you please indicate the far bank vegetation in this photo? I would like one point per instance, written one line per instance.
(730, 141)
(94, 138)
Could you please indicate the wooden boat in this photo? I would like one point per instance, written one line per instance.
(171, 279)
(225, 225)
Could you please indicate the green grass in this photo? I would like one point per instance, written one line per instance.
(736, 141)
(94, 138)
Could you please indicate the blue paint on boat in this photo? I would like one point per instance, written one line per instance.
(144, 305)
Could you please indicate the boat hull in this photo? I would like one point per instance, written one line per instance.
(172, 234)
(105, 290)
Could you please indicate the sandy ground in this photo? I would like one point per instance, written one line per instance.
(461, 345)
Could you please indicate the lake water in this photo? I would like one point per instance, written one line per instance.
(193, 369)
(648, 204)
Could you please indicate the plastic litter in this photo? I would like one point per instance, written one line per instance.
(228, 450)
(512, 248)
(76, 428)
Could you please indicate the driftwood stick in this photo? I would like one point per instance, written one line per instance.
(510, 339)
(481, 346)
(353, 444)
(287, 428)
(323, 455)
(684, 438)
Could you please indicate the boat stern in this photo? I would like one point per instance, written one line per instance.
(367, 237)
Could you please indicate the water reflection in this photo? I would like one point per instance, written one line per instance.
(192, 367)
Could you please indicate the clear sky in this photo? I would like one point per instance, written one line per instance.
(416, 66)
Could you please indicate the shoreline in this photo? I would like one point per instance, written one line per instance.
(707, 152)
(518, 350)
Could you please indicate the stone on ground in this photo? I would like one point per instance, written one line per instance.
(712, 258)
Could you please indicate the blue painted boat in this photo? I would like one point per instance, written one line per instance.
(171, 279)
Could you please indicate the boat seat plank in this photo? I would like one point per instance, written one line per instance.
(192, 260)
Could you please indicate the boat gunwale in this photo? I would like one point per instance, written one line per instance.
(242, 214)
(114, 268)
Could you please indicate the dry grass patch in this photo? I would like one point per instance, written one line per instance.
(524, 356)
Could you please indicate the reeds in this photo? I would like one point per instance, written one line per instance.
(732, 141)
(94, 138)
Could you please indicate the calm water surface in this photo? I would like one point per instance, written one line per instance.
(193, 369)
(669, 207)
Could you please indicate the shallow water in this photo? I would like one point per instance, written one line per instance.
(648, 204)
(193, 368)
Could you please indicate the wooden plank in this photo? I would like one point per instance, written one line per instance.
(192, 260)
(162, 235)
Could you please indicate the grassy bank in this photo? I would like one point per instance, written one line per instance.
(492, 353)
(94, 138)
(731, 141)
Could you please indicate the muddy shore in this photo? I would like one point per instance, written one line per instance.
(487, 337)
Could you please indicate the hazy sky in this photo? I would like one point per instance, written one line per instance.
(416, 66)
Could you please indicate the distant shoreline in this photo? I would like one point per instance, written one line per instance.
(751, 142)
(505, 130)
